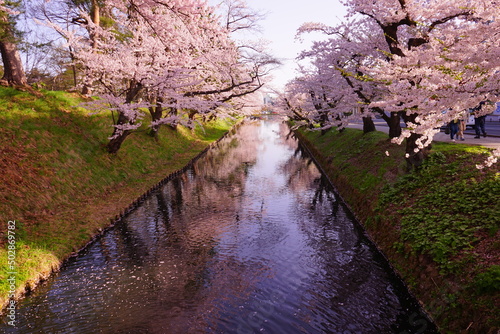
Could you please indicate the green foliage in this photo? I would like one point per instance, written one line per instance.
(443, 206)
(8, 29)
(488, 282)
(341, 147)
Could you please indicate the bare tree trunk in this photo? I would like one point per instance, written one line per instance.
(118, 136)
(114, 144)
(414, 155)
(394, 123)
(368, 125)
(13, 67)
(95, 16)
(73, 66)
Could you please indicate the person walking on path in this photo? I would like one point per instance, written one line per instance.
(479, 126)
(479, 121)
(462, 124)
(453, 128)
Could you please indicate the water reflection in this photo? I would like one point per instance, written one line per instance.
(250, 239)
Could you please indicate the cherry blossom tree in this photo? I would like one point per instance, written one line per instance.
(443, 61)
(68, 15)
(433, 61)
(243, 25)
(230, 84)
(172, 58)
(338, 88)
(296, 103)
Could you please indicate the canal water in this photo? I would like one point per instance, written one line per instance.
(250, 239)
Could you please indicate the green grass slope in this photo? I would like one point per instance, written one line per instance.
(439, 226)
(60, 186)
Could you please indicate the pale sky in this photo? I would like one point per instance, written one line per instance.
(284, 18)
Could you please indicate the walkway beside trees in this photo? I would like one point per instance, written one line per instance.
(492, 141)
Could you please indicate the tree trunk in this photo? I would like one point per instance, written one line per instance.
(174, 112)
(156, 113)
(394, 123)
(415, 159)
(118, 136)
(368, 125)
(115, 143)
(95, 16)
(135, 88)
(414, 155)
(323, 119)
(12, 66)
(192, 114)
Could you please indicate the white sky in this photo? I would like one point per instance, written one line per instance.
(283, 19)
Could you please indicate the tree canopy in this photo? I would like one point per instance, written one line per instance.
(175, 58)
(427, 62)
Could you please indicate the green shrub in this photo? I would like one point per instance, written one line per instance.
(488, 281)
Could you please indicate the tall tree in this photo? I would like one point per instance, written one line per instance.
(12, 64)
(443, 60)
(333, 78)
(69, 15)
(434, 61)
(93, 8)
(173, 57)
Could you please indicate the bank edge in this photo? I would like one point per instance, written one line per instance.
(63, 190)
(362, 167)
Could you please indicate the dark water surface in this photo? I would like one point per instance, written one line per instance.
(251, 239)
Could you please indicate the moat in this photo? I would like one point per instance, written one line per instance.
(251, 239)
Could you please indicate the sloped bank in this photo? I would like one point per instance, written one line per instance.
(438, 226)
(60, 188)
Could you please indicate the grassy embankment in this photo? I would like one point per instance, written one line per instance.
(439, 226)
(59, 184)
